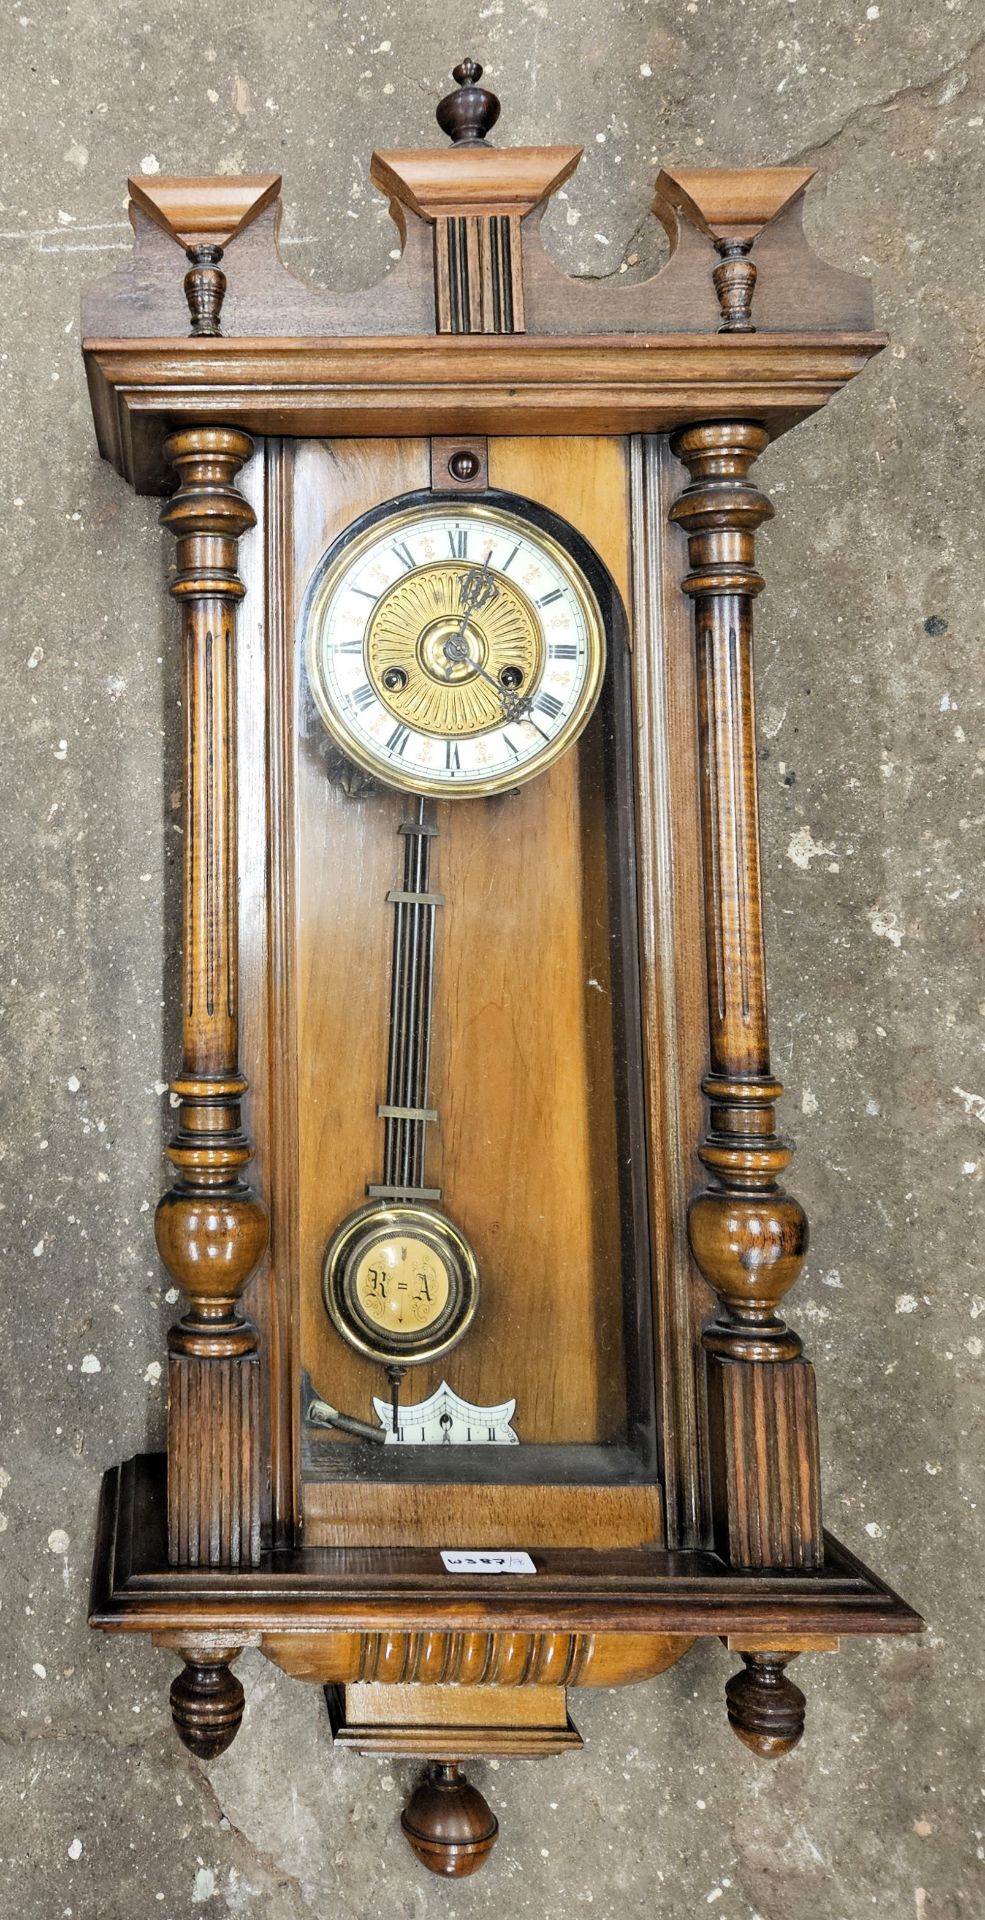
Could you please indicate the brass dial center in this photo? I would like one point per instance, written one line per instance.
(437, 647)
(436, 664)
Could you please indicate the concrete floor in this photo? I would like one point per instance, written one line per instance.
(873, 802)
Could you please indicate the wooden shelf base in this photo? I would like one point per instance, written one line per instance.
(335, 1591)
(450, 1669)
(605, 1617)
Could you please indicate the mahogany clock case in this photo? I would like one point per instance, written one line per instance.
(606, 1133)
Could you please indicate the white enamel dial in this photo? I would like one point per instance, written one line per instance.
(453, 647)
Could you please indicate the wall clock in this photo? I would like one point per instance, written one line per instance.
(482, 1390)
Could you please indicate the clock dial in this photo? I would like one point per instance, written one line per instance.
(453, 647)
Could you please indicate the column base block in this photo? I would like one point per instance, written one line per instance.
(765, 1462)
(213, 1461)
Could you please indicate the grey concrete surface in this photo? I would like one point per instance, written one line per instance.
(870, 665)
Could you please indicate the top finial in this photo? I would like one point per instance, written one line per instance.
(469, 114)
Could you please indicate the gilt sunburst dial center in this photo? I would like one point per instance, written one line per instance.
(445, 642)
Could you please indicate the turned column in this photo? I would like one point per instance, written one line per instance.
(747, 1236)
(211, 1228)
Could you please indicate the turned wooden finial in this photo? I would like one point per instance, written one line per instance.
(731, 207)
(207, 1701)
(205, 290)
(448, 1822)
(202, 217)
(467, 115)
(765, 1708)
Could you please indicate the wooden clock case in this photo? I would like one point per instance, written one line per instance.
(668, 1486)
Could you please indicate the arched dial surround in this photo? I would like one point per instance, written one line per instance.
(453, 647)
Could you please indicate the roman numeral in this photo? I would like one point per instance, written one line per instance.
(567, 651)
(453, 763)
(508, 563)
(459, 543)
(547, 703)
(548, 599)
(404, 553)
(365, 595)
(398, 740)
(362, 697)
(515, 751)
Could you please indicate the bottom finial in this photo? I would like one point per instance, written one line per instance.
(448, 1822)
(765, 1709)
(207, 1703)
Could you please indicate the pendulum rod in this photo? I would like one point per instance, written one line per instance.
(405, 1112)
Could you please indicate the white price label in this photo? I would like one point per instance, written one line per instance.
(461, 1562)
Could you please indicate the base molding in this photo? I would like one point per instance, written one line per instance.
(310, 1596)
(477, 1659)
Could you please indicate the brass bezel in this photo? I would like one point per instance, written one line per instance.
(468, 787)
(345, 1250)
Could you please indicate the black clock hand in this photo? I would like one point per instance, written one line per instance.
(478, 588)
(470, 593)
